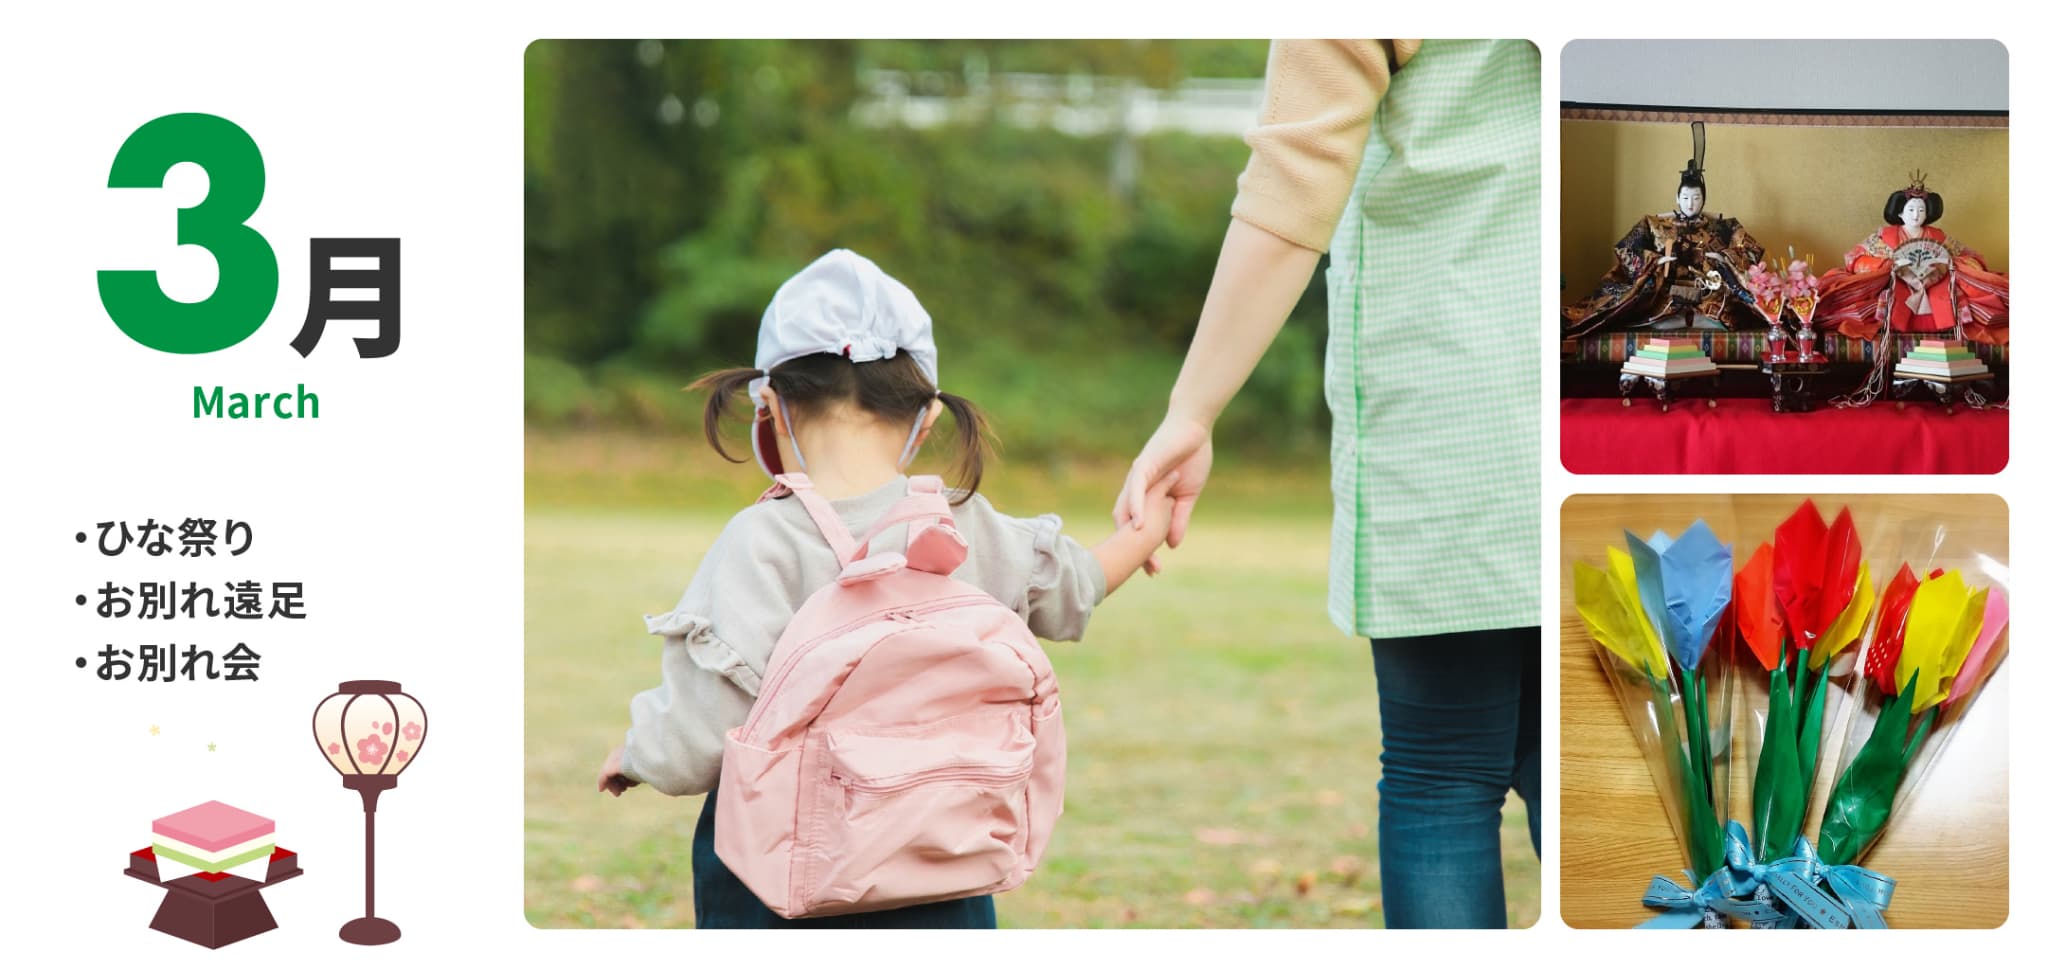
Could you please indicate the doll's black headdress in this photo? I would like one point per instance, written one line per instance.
(1695, 173)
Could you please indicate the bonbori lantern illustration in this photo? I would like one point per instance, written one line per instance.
(370, 731)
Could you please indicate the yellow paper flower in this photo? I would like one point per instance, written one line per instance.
(1848, 626)
(1946, 616)
(1607, 601)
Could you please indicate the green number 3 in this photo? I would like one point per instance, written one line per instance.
(247, 288)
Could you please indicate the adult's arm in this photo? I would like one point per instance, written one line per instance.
(1320, 99)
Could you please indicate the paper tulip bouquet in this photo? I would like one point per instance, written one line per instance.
(1807, 633)
(1655, 608)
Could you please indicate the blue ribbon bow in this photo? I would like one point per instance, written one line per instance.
(1781, 894)
(1724, 892)
(1860, 894)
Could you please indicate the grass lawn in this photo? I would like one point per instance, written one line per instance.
(1223, 736)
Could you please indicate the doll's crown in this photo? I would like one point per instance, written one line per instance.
(1916, 184)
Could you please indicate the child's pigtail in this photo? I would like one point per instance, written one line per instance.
(722, 385)
(977, 443)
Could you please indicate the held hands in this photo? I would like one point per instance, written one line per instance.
(612, 778)
(1180, 444)
(1125, 551)
(1157, 519)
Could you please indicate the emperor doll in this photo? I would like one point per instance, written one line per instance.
(1679, 270)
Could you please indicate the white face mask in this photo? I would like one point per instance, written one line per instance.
(763, 437)
(1690, 201)
(1914, 215)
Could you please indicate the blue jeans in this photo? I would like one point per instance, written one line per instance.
(1461, 720)
(723, 900)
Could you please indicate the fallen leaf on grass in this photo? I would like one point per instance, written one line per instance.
(587, 883)
(1199, 897)
(1347, 869)
(1305, 883)
(1220, 836)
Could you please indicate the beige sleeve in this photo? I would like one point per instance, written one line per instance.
(1066, 582)
(1320, 99)
(1050, 580)
(715, 646)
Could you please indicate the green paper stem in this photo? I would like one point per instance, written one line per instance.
(1702, 829)
(1695, 726)
(1861, 803)
(1920, 734)
(1812, 712)
(1702, 833)
(1799, 690)
(1778, 785)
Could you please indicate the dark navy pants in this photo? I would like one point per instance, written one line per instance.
(1461, 725)
(723, 901)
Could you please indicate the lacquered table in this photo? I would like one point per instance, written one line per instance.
(213, 910)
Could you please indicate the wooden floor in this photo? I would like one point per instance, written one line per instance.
(1947, 847)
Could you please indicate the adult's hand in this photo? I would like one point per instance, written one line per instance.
(1180, 444)
(1259, 277)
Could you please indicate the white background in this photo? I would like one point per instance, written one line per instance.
(400, 508)
(1901, 75)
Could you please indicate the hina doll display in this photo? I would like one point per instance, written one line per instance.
(1915, 278)
(1683, 269)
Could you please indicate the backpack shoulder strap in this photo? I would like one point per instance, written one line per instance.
(822, 515)
(925, 501)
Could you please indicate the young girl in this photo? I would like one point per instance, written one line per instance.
(845, 389)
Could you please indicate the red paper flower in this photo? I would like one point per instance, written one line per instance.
(1838, 570)
(1814, 571)
(1881, 663)
(1756, 608)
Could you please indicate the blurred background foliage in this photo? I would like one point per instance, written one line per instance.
(1056, 205)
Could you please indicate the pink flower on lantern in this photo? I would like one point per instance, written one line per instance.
(370, 749)
(413, 731)
(387, 728)
(334, 749)
(400, 756)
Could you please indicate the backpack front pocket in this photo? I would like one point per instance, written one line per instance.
(917, 816)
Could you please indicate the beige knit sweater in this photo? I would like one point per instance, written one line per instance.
(1320, 98)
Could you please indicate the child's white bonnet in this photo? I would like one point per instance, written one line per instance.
(845, 305)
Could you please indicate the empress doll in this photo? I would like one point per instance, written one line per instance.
(1915, 277)
(1683, 269)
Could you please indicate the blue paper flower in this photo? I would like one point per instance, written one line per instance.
(1685, 585)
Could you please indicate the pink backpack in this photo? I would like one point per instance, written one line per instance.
(906, 745)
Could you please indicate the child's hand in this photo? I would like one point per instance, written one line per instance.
(613, 779)
(1159, 510)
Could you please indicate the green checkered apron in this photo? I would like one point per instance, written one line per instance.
(1432, 376)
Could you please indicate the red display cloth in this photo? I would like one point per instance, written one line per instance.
(1743, 436)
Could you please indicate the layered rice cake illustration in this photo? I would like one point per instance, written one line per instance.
(213, 837)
